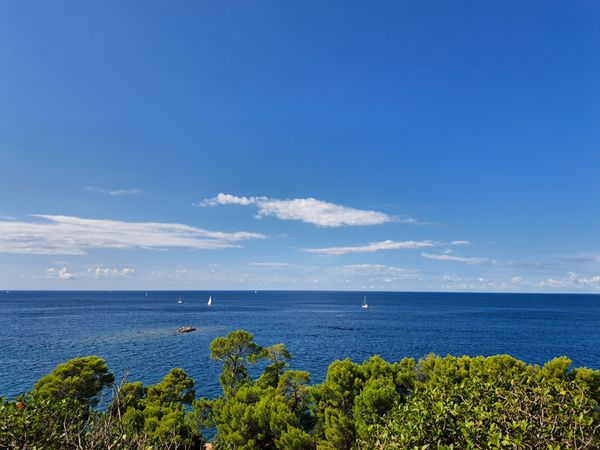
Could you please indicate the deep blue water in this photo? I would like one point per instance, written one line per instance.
(134, 332)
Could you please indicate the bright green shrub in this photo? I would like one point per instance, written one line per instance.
(494, 402)
(81, 379)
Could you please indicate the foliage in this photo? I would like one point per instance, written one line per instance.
(176, 387)
(356, 396)
(80, 379)
(436, 403)
(158, 413)
(495, 402)
(257, 418)
(269, 413)
(32, 422)
(278, 356)
(137, 418)
(234, 350)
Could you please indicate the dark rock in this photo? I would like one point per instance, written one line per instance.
(185, 329)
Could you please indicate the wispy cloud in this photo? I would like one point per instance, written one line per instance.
(376, 269)
(309, 210)
(104, 272)
(114, 192)
(231, 277)
(447, 255)
(377, 275)
(572, 281)
(60, 274)
(382, 245)
(67, 235)
(372, 247)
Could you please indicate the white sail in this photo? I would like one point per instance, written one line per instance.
(365, 304)
(209, 301)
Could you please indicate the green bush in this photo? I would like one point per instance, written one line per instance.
(80, 379)
(494, 402)
(436, 403)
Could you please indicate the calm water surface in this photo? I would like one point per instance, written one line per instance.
(134, 332)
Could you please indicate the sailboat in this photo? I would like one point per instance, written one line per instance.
(365, 305)
(209, 301)
(180, 301)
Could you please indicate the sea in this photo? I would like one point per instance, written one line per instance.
(135, 331)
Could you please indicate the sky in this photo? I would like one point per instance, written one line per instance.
(391, 146)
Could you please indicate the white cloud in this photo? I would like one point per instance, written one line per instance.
(66, 235)
(320, 213)
(447, 256)
(377, 276)
(309, 210)
(61, 274)
(475, 285)
(227, 199)
(114, 192)
(592, 281)
(227, 276)
(552, 283)
(516, 280)
(372, 247)
(376, 269)
(447, 278)
(572, 280)
(460, 243)
(102, 272)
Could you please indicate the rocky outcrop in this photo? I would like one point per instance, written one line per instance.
(185, 329)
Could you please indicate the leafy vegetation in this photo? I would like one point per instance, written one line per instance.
(80, 379)
(435, 403)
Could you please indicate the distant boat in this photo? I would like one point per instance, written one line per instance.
(180, 301)
(209, 301)
(365, 305)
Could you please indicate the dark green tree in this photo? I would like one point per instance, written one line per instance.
(269, 413)
(256, 417)
(293, 385)
(176, 387)
(81, 379)
(278, 356)
(158, 413)
(234, 351)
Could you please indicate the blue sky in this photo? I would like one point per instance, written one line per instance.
(447, 146)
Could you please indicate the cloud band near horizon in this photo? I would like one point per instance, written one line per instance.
(372, 247)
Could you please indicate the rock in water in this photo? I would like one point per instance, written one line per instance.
(185, 329)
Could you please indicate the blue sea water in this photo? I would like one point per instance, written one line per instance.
(135, 331)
